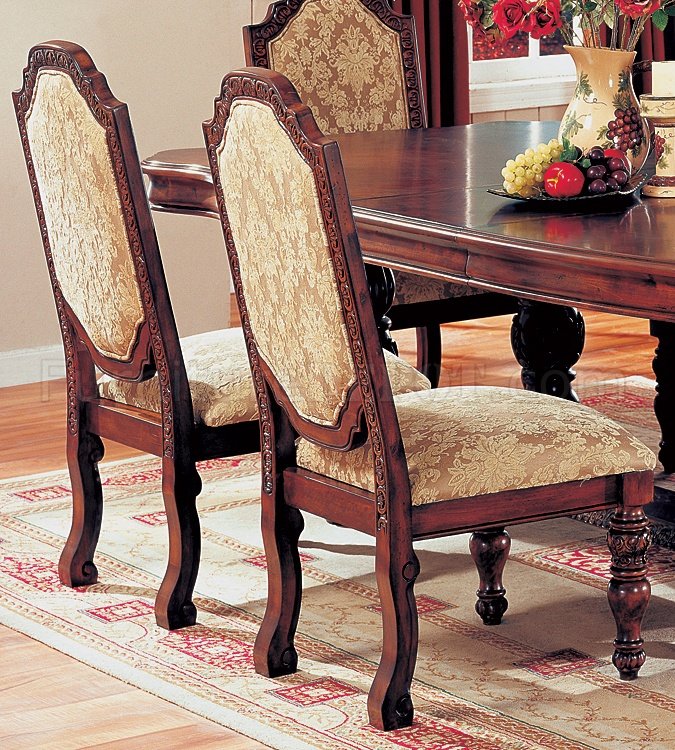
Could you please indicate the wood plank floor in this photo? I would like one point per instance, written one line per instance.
(51, 701)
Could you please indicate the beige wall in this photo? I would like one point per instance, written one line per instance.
(166, 59)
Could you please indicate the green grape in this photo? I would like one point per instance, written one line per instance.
(524, 174)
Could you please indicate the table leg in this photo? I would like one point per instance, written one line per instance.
(547, 340)
(382, 288)
(663, 365)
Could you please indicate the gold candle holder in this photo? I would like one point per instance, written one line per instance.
(660, 111)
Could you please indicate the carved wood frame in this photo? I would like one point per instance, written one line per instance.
(157, 338)
(258, 36)
(370, 405)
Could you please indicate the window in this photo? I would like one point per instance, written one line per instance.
(521, 73)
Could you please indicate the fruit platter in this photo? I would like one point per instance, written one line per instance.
(561, 172)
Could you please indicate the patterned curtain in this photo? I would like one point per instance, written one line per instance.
(443, 46)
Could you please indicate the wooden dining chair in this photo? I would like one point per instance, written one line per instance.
(355, 64)
(336, 441)
(183, 400)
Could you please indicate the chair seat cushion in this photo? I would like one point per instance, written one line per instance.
(413, 287)
(463, 442)
(220, 380)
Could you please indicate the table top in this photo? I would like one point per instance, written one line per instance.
(420, 201)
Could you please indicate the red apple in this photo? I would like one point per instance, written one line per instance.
(563, 180)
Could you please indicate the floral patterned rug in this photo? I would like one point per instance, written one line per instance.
(542, 679)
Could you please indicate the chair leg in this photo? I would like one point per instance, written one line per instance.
(429, 352)
(629, 590)
(490, 550)
(274, 652)
(76, 565)
(174, 607)
(389, 703)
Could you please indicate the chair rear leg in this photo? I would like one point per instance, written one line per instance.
(274, 652)
(429, 352)
(174, 607)
(389, 703)
(76, 564)
(628, 539)
(490, 550)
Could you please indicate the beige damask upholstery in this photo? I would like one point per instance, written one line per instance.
(346, 66)
(272, 233)
(464, 442)
(83, 214)
(220, 380)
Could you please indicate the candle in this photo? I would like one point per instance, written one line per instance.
(663, 78)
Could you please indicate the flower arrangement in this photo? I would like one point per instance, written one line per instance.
(578, 21)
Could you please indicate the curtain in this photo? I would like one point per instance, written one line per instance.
(655, 45)
(444, 58)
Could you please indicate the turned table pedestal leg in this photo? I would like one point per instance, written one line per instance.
(547, 341)
(382, 289)
(663, 365)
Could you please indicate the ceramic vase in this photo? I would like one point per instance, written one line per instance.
(604, 109)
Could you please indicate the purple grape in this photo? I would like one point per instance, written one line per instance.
(596, 171)
(620, 176)
(596, 155)
(613, 164)
(612, 185)
(597, 187)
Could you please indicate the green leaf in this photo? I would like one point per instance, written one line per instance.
(585, 163)
(660, 19)
(570, 152)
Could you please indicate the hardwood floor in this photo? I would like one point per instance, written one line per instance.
(51, 701)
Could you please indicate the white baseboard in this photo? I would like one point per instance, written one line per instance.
(20, 366)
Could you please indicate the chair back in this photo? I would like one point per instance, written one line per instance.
(295, 258)
(98, 235)
(353, 62)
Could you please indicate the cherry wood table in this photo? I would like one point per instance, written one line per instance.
(420, 201)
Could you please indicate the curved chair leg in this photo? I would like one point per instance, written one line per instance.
(389, 703)
(274, 653)
(174, 607)
(490, 550)
(629, 590)
(76, 565)
(429, 352)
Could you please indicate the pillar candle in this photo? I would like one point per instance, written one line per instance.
(663, 78)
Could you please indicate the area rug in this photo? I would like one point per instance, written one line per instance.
(542, 679)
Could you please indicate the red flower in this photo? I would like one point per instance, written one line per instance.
(544, 19)
(509, 16)
(638, 8)
(472, 11)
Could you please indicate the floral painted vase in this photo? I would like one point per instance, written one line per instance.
(604, 109)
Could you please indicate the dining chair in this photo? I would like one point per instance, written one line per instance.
(185, 400)
(339, 444)
(355, 63)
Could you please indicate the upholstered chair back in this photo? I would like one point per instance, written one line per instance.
(353, 62)
(92, 210)
(285, 231)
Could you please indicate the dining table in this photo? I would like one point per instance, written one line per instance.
(422, 202)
